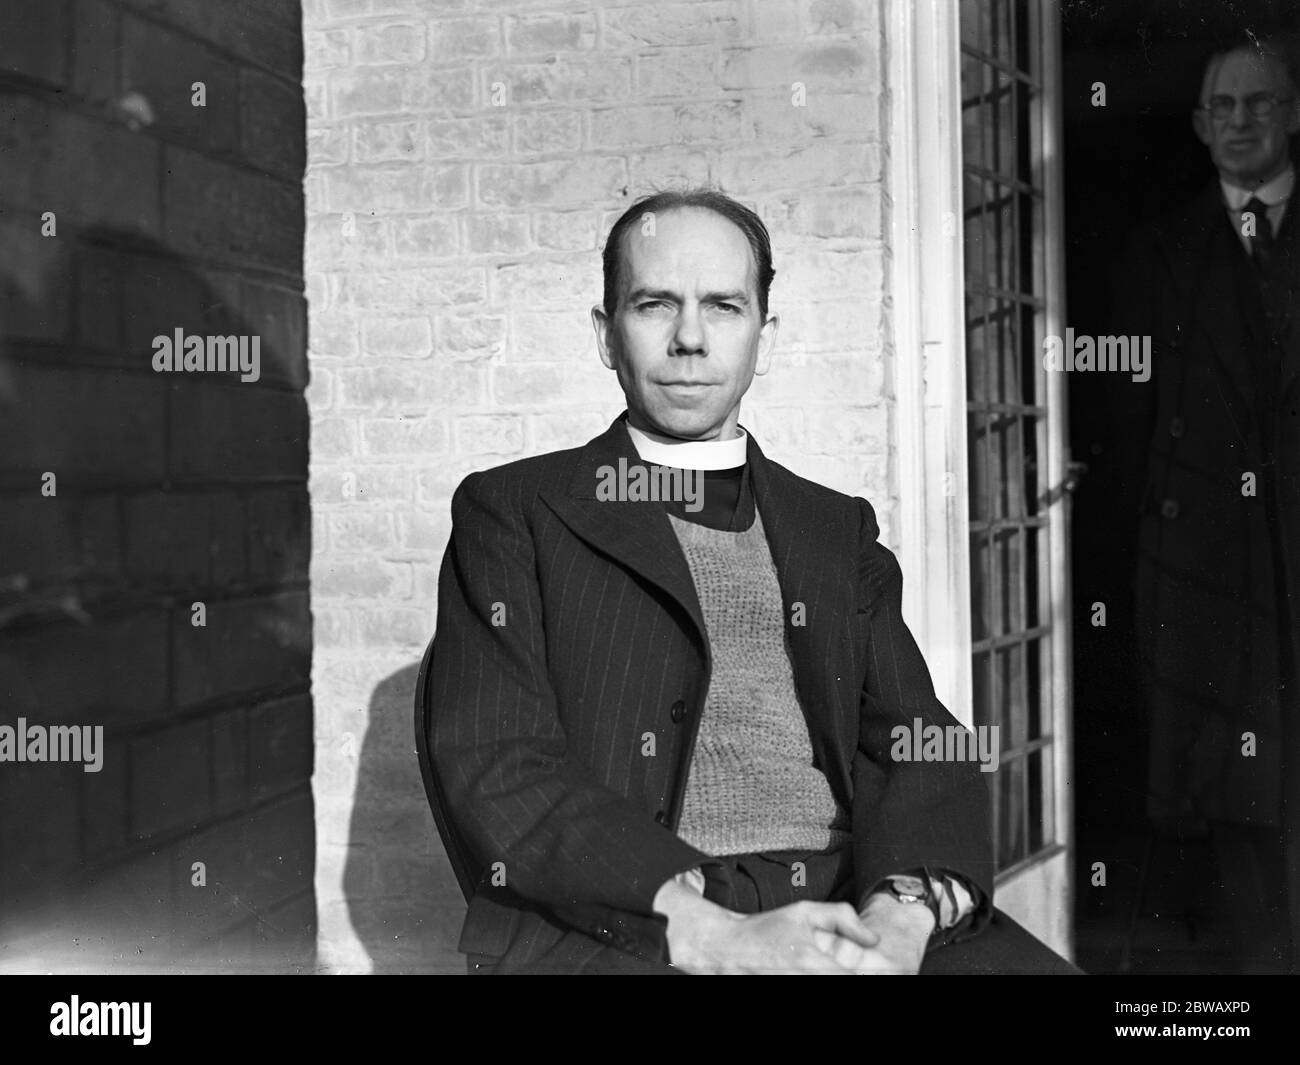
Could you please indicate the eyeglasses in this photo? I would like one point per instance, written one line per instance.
(1259, 104)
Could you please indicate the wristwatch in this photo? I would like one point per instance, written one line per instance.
(916, 891)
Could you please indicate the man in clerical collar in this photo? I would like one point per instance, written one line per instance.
(662, 734)
(1215, 283)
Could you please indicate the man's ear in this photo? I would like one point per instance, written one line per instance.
(601, 323)
(1201, 125)
(766, 344)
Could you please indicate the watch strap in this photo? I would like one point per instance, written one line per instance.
(914, 889)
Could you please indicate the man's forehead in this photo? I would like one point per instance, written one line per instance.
(688, 239)
(1245, 69)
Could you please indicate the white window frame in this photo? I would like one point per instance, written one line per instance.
(930, 419)
(929, 341)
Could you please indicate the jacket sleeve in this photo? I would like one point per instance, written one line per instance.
(909, 814)
(536, 820)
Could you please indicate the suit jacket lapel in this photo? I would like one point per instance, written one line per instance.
(812, 549)
(1197, 244)
(638, 535)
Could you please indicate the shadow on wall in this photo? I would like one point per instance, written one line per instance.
(402, 896)
(129, 496)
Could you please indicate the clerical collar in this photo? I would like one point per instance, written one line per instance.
(1271, 193)
(690, 454)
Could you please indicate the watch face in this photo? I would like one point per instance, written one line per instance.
(909, 885)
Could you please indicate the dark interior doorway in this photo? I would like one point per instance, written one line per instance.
(1124, 162)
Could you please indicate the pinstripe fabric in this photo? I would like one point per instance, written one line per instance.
(569, 629)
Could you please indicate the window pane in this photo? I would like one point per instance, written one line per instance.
(973, 22)
(1035, 670)
(981, 621)
(1008, 545)
(1004, 280)
(1039, 785)
(1009, 680)
(982, 688)
(1012, 844)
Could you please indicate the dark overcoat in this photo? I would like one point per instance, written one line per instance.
(1216, 435)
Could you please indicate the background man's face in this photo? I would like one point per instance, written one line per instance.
(687, 336)
(1245, 149)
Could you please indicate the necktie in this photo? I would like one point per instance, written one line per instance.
(1261, 242)
(1262, 254)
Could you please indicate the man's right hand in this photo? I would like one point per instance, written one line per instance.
(706, 938)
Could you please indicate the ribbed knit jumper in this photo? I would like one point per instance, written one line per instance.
(752, 784)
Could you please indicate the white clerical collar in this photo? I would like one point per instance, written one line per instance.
(690, 454)
(1271, 193)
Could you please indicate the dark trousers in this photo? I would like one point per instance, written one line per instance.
(1257, 867)
(1251, 883)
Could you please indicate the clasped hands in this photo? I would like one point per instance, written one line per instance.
(886, 937)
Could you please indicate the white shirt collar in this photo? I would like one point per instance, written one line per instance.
(690, 454)
(1271, 193)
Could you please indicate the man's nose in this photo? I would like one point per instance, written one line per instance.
(688, 338)
(1241, 115)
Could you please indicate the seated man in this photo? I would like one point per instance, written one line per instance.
(667, 673)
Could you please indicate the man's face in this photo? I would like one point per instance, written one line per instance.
(687, 338)
(1247, 150)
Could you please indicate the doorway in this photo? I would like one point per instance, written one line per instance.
(1131, 75)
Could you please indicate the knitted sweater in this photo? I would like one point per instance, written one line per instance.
(752, 785)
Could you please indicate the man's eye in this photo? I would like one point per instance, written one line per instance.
(730, 308)
(650, 305)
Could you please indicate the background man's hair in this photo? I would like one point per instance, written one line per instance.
(1281, 47)
(750, 224)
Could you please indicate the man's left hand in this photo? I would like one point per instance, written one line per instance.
(904, 930)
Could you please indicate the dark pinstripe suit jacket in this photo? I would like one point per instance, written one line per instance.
(569, 630)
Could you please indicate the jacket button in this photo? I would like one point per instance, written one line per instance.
(678, 711)
(662, 817)
(1176, 428)
(1169, 508)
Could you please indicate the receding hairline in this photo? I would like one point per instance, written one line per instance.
(1267, 51)
(752, 278)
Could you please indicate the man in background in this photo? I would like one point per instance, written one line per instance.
(1214, 283)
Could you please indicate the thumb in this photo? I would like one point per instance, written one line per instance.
(842, 919)
(845, 952)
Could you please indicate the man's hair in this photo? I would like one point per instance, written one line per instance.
(1281, 48)
(749, 223)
